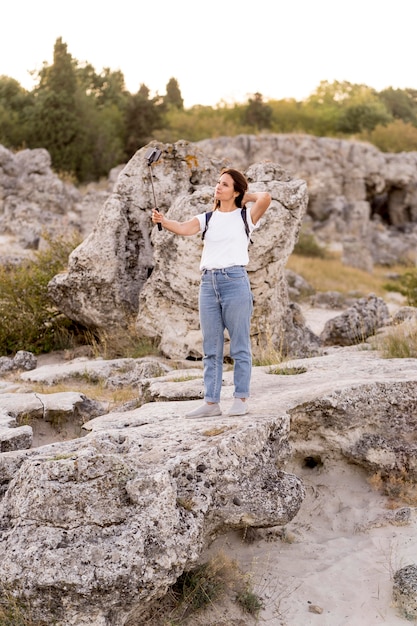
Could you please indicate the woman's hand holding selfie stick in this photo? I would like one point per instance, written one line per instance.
(152, 156)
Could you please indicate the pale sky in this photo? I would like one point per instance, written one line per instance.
(219, 50)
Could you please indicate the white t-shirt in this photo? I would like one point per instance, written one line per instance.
(225, 241)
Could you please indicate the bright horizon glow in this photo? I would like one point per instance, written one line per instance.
(225, 53)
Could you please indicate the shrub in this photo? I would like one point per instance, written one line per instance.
(198, 588)
(308, 246)
(406, 284)
(29, 319)
(250, 602)
(197, 591)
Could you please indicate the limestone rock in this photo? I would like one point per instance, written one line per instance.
(93, 538)
(19, 438)
(359, 197)
(357, 323)
(33, 198)
(127, 268)
(108, 270)
(405, 591)
(96, 528)
(168, 302)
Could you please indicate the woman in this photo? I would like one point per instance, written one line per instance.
(225, 300)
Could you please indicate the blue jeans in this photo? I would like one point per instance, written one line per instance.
(226, 302)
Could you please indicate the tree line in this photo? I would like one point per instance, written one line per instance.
(89, 122)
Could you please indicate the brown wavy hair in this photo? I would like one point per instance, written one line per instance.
(240, 184)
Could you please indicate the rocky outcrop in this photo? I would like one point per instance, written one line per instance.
(348, 194)
(96, 526)
(357, 323)
(33, 199)
(126, 268)
(107, 522)
(168, 302)
(108, 270)
(35, 202)
(95, 529)
(24, 414)
(22, 360)
(361, 201)
(405, 591)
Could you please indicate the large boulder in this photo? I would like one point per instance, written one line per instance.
(168, 303)
(33, 199)
(96, 527)
(127, 268)
(357, 323)
(108, 270)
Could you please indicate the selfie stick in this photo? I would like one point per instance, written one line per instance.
(153, 155)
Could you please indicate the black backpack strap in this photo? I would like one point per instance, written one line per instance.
(245, 221)
(244, 218)
(208, 217)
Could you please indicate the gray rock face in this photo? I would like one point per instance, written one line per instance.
(168, 302)
(94, 529)
(127, 268)
(22, 360)
(107, 522)
(405, 591)
(360, 198)
(357, 323)
(108, 270)
(33, 198)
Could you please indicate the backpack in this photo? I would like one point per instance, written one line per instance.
(244, 218)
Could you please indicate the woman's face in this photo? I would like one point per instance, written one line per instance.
(224, 190)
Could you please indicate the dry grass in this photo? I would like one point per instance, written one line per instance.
(13, 612)
(199, 590)
(94, 389)
(398, 342)
(399, 486)
(120, 342)
(330, 274)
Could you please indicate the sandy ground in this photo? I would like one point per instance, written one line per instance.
(333, 564)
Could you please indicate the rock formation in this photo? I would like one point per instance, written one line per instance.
(124, 267)
(33, 198)
(361, 201)
(95, 529)
(356, 198)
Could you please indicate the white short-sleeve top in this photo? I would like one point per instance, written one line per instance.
(225, 241)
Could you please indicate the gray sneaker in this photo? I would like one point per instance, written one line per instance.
(206, 410)
(239, 407)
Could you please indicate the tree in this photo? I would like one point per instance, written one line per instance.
(288, 116)
(104, 113)
(347, 108)
(361, 116)
(258, 114)
(56, 123)
(397, 136)
(15, 103)
(400, 103)
(324, 106)
(79, 116)
(173, 96)
(143, 116)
